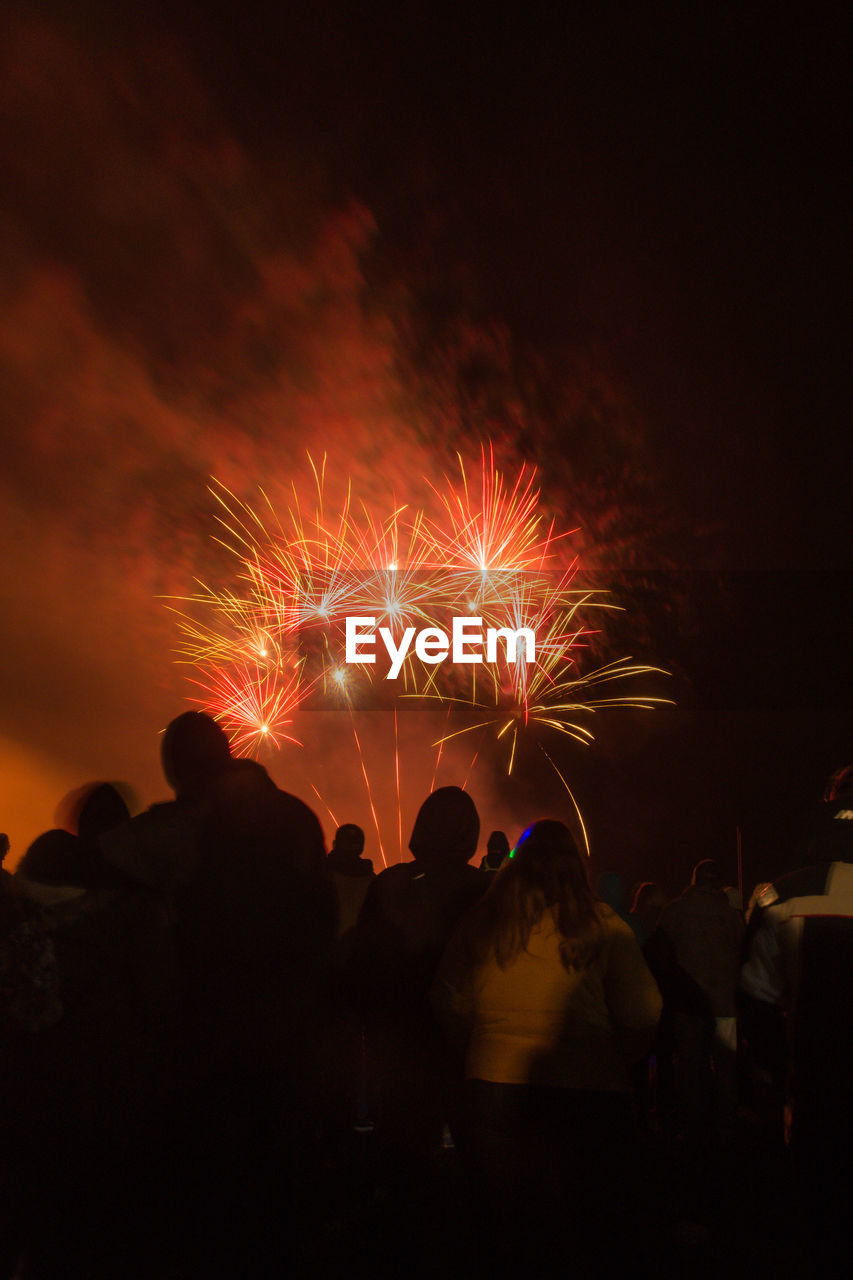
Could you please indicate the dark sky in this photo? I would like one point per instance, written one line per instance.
(672, 190)
(613, 243)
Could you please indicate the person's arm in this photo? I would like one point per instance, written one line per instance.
(763, 976)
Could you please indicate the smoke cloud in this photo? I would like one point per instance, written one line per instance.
(173, 311)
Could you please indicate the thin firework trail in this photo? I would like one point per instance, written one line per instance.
(438, 754)
(325, 806)
(571, 797)
(397, 772)
(369, 792)
(554, 702)
(471, 767)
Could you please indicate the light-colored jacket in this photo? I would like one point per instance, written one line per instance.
(536, 1022)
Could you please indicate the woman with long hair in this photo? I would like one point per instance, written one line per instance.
(544, 989)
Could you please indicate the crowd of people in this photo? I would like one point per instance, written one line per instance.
(229, 1052)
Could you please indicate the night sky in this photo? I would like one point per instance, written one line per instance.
(614, 245)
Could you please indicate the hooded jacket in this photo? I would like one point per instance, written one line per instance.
(410, 909)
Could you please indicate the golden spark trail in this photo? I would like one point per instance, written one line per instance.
(369, 793)
(397, 773)
(325, 806)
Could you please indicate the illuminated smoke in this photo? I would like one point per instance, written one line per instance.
(172, 311)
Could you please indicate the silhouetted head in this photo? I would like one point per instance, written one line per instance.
(447, 828)
(497, 846)
(649, 902)
(5, 846)
(349, 839)
(546, 873)
(102, 808)
(547, 860)
(93, 809)
(195, 752)
(707, 875)
(52, 858)
(647, 896)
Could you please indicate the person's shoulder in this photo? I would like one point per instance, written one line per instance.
(160, 809)
(397, 871)
(615, 926)
(166, 816)
(392, 878)
(298, 807)
(306, 830)
(805, 882)
(391, 891)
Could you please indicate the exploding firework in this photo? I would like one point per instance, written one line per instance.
(275, 641)
(254, 704)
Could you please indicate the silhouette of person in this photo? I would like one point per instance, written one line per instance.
(408, 915)
(545, 990)
(160, 847)
(497, 851)
(258, 927)
(351, 874)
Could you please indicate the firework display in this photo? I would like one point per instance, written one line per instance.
(485, 562)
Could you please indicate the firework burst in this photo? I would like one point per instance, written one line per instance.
(254, 704)
(489, 534)
(263, 647)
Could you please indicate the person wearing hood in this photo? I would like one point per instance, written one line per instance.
(408, 915)
(497, 852)
(411, 908)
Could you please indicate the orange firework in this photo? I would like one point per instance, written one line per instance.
(491, 534)
(277, 634)
(254, 704)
